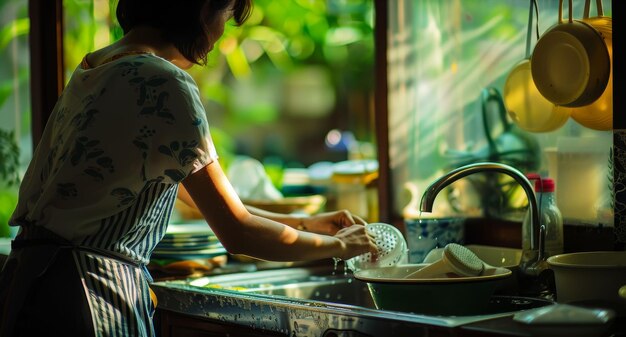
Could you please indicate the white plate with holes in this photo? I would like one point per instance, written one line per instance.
(391, 245)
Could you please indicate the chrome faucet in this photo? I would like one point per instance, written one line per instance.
(533, 259)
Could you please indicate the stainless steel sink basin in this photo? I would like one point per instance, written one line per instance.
(314, 284)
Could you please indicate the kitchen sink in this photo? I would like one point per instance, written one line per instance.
(326, 285)
(312, 283)
(319, 300)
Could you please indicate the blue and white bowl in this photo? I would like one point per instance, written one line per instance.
(424, 235)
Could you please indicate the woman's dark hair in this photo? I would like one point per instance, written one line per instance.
(184, 23)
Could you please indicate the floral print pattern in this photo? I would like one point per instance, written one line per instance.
(105, 176)
(140, 124)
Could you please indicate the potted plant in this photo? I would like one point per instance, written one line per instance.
(9, 178)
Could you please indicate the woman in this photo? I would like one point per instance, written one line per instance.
(97, 196)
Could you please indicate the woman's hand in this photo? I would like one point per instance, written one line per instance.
(356, 240)
(330, 222)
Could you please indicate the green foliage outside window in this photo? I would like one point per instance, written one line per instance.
(243, 82)
(14, 103)
(282, 37)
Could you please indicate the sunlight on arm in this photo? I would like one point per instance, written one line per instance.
(290, 235)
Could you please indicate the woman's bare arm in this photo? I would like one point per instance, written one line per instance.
(242, 232)
(323, 223)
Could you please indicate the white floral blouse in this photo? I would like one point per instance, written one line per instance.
(105, 176)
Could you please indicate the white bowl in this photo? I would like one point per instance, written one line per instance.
(590, 278)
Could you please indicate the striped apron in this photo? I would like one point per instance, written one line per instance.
(110, 266)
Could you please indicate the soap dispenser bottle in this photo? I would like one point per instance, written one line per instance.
(549, 215)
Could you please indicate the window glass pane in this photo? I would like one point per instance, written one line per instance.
(15, 109)
(442, 56)
(296, 71)
(281, 87)
(88, 26)
(276, 86)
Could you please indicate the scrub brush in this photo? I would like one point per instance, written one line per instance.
(456, 259)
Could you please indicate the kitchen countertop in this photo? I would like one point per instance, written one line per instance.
(308, 318)
(296, 317)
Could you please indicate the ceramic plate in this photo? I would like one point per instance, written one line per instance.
(189, 229)
(188, 246)
(185, 254)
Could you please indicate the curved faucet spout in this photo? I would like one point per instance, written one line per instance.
(537, 231)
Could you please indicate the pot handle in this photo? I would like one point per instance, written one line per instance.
(533, 6)
(570, 11)
(492, 96)
(598, 8)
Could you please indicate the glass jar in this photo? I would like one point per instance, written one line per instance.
(355, 188)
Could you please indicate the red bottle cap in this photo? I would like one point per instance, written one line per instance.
(544, 185)
(533, 176)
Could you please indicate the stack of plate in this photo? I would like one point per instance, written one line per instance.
(187, 242)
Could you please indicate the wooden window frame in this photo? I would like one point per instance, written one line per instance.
(46, 61)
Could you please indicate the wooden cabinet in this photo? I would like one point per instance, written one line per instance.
(172, 324)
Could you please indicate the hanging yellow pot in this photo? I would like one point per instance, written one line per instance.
(525, 104)
(599, 114)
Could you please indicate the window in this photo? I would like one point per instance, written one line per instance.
(442, 55)
(14, 100)
(277, 86)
